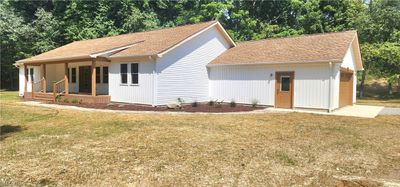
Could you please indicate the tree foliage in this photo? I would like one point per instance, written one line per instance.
(28, 28)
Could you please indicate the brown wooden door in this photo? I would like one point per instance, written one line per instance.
(85, 79)
(284, 89)
(346, 88)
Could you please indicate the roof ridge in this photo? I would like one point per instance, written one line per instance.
(157, 29)
(297, 36)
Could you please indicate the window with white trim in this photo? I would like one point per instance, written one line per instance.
(124, 73)
(105, 74)
(31, 74)
(97, 74)
(135, 73)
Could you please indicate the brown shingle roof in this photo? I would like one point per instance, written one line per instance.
(330, 47)
(147, 43)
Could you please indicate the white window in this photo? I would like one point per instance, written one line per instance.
(31, 74)
(124, 73)
(135, 73)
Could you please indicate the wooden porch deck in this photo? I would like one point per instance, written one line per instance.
(80, 97)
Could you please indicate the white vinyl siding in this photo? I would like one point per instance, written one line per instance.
(336, 86)
(243, 83)
(36, 77)
(182, 72)
(21, 80)
(350, 62)
(132, 93)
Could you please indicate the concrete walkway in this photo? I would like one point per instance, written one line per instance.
(390, 111)
(363, 111)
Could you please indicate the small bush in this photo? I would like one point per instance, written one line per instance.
(180, 100)
(75, 100)
(218, 104)
(232, 103)
(195, 104)
(254, 103)
(66, 100)
(58, 98)
(211, 103)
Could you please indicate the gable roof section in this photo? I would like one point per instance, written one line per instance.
(316, 48)
(146, 43)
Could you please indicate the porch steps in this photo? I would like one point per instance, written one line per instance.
(43, 96)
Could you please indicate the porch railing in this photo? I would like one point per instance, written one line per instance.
(58, 88)
(38, 86)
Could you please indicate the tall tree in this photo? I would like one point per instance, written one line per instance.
(14, 44)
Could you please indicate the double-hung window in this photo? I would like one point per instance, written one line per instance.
(105, 74)
(97, 74)
(124, 73)
(73, 75)
(31, 74)
(135, 73)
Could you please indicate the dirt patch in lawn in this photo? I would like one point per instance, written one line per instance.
(201, 107)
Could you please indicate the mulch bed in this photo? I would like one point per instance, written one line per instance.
(186, 108)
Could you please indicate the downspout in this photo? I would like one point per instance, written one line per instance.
(330, 88)
(155, 76)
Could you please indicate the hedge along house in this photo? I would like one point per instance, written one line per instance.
(199, 62)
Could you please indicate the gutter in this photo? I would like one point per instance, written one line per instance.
(278, 63)
(20, 62)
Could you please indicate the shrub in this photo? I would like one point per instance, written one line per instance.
(66, 100)
(180, 100)
(58, 98)
(254, 103)
(218, 104)
(75, 100)
(211, 103)
(232, 103)
(195, 104)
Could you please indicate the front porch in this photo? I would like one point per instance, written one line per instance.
(78, 81)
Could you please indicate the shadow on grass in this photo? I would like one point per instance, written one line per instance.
(6, 130)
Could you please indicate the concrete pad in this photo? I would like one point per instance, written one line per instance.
(362, 111)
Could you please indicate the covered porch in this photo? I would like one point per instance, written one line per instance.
(81, 80)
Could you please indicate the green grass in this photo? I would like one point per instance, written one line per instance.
(43, 146)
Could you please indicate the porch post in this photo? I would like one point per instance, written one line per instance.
(44, 78)
(66, 79)
(26, 79)
(93, 77)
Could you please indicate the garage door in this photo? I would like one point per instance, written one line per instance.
(346, 88)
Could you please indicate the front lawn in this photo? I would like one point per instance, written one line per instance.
(42, 146)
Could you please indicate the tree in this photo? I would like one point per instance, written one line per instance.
(382, 60)
(88, 20)
(46, 34)
(380, 25)
(14, 44)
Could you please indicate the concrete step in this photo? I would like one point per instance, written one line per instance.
(46, 96)
(43, 94)
(43, 98)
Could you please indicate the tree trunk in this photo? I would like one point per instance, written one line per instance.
(362, 84)
(390, 88)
